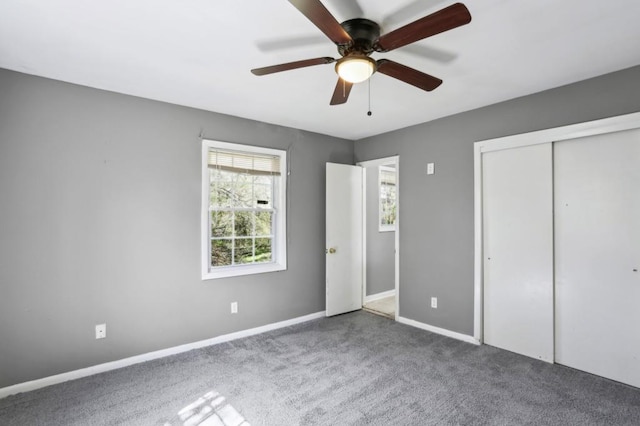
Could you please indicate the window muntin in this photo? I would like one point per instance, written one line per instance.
(244, 200)
(387, 198)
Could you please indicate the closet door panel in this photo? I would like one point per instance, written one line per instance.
(597, 243)
(518, 250)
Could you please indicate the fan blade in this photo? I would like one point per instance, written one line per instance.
(292, 65)
(341, 92)
(321, 18)
(408, 75)
(446, 19)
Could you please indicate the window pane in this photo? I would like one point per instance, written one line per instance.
(221, 252)
(243, 251)
(264, 222)
(244, 224)
(220, 188)
(387, 196)
(388, 204)
(221, 224)
(263, 180)
(263, 191)
(263, 250)
(243, 190)
(388, 214)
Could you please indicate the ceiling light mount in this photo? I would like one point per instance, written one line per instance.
(363, 32)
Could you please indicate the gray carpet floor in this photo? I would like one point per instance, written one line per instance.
(354, 369)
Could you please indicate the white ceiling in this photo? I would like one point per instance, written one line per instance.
(198, 53)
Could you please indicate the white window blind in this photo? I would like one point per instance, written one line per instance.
(241, 162)
(387, 177)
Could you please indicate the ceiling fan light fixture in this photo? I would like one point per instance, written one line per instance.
(355, 69)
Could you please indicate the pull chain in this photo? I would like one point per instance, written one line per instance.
(369, 112)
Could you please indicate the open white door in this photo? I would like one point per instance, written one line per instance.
(344, 248)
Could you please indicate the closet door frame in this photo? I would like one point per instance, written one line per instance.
(574, 131)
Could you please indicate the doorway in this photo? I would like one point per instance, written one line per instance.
(381, 237)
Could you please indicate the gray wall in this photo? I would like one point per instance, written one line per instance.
(380, 245)
(436, 211)
(100, 217)
(100, 222)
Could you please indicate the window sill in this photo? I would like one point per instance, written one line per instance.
(236, 271)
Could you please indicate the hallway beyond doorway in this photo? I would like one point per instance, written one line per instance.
(384, 307)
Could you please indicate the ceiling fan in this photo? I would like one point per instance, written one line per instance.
(358, 38)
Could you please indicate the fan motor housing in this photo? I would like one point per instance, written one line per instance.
(364, 34)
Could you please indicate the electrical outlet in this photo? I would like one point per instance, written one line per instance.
(101, 331)
(234, 307)
(434, 302)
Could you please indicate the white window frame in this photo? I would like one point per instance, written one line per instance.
(386, 227)
(279, 253)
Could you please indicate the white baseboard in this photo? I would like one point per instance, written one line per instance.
(438, 330)
(379, 296)
(101, 368)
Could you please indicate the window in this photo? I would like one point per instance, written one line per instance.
(387, 198)
(243, 210)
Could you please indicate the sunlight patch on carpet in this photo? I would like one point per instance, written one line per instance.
(211, 409)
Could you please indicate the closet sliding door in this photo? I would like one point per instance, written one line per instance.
(517, 228)
(597, 252)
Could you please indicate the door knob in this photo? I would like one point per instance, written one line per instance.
(331, 250)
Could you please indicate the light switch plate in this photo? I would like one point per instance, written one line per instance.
(101, 331)
(431, 168)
